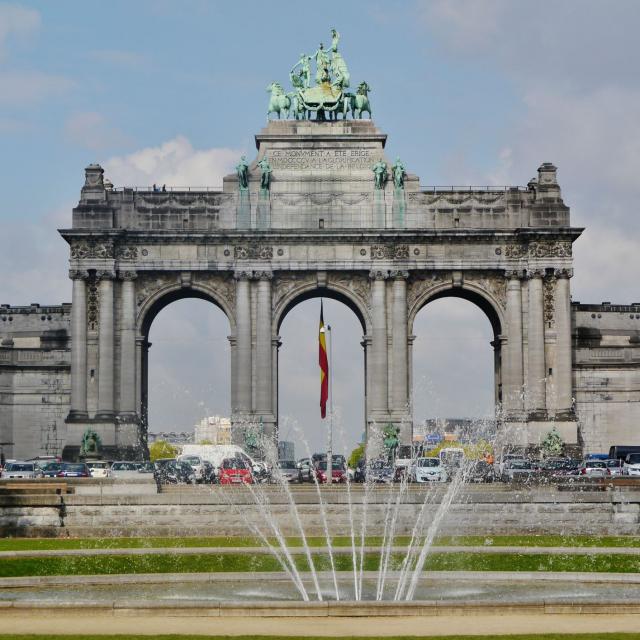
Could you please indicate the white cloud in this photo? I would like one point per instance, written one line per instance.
(175, 163)
(19, 88)
(16, 22)
(90, 129)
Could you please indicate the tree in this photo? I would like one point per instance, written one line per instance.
(553, 444)
(161, 449)
(356, 455)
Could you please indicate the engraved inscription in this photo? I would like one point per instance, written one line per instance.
(329, 159)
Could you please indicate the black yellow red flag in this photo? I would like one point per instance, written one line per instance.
(324, 366)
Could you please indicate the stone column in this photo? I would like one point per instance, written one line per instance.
(399, 348)
(243, 342)
(564, 365)
(378, 362)
(105, 347)
(264, 346)
(78, 410)
(128, 364)
(535, 392)
(512, 360)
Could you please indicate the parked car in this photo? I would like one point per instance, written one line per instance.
(632, 465)
(307, 470)
(197, 464)
(48, 469)
(571, 467)
(172, 471)
(380, 471)
(518, 470)
(234, 471)
(146, 467)
(428, 470)
(74, 470)
(124, 469)
(359, 472)
(480, 471)
(338, 473)
(594, 469)
(99, 468)
(22, 470)
(615, 466)
(210, 476)
(289, 470)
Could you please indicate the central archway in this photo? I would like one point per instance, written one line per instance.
(299, 420)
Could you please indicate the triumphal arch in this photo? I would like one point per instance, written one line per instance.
(320, 211)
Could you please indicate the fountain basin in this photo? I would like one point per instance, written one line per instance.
(273, 594)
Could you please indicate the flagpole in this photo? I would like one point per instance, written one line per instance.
(330, 368)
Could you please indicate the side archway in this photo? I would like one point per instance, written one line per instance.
(491, 305)
(148, 311)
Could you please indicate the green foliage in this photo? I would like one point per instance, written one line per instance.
(356, 455)
(162, 449)
(553, 444)
(205, 441)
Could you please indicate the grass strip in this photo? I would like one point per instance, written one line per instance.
(238, 562)
(50, 544)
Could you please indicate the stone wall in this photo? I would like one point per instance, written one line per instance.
(220, 511)
(606, 374)
(34, 379)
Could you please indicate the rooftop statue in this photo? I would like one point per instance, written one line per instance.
(327, 98)
(242, 170)
(380, 174)
(265, 179)
(399, 174)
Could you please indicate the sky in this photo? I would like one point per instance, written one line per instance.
(470, 92)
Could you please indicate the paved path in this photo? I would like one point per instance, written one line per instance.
(575, 551)
(23, 622)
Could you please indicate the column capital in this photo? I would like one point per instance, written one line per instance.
(242, 275)
(535, 273)
(78, 274)
(513, 274)
(127, 276)
(377, 274)
(563, 273)
(399, 274)
(263, 275)
(105, 275)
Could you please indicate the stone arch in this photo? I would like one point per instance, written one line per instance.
(478, 295)
(483, 298)
(165, 295)
(309, 290)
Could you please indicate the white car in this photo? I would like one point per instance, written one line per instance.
(632, 465)
(197, 464)
(125, 469)
(22, 470)
(99, 469)
(429, 470)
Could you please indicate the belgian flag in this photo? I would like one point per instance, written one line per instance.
(324, 366)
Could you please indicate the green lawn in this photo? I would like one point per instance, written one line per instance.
(48, 544)
(242, 562)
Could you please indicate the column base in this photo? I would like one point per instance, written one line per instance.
(106, 416)
(77, 416)
(130, 417)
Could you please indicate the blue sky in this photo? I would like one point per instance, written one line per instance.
(468, 91)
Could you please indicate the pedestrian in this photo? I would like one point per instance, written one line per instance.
(164, 188)
(155, 188)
